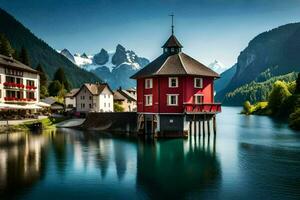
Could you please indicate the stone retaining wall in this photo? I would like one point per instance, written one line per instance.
(123, 122)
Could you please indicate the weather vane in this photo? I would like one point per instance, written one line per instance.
(172, 16)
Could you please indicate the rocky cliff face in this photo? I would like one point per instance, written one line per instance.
(101, 58)
(68, 55)
(113, 67)
(278, 48)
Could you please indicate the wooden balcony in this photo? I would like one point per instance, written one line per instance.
(192, 108)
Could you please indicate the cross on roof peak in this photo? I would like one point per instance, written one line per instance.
(172, 26)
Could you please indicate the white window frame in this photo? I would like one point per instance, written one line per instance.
(169, 99)
(201, 82)
(196, 100)
(150, 83)
(170, 82)
(148, 102)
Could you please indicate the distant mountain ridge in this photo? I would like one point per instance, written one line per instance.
(276, 51)
(40, 52)
(114, 68)
(217, 66)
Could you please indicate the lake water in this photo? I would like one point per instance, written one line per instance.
(253, 157)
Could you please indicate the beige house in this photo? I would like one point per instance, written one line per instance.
(126, 99)
(94, 98)
(70, 99)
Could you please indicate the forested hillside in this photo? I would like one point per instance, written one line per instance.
(40, 52)
(272, 53)
(255, 91)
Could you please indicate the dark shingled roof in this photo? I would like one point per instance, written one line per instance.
(176, 64)
(172, 42)
(12, 63)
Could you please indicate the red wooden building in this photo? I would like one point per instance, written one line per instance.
(175, 93)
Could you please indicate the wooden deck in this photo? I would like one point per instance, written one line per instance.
(205, 108)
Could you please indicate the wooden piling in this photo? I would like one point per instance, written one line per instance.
(214, 125)
(208, 127)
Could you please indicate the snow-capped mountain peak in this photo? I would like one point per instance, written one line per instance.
(114, 67)
(217, 66)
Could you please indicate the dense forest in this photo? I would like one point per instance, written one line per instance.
(256, 91)
(283, 101)
(25, 42)
(270, 54)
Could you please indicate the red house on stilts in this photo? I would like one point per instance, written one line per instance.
(175, 93)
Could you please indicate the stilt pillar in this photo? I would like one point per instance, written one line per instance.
(214, 125)
(208, 127)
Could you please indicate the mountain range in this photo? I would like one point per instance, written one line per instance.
(217, 66)
(40, 52)
(114, 67)
(269, 55)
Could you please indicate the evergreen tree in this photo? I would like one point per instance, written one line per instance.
(43, 77)
(43, 81)
(297, 91)
(54, 88)
(43, 92)
(61, 77)
(5, 47)
(23, 57)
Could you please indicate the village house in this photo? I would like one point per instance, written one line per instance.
(70, 99)
(54, 105)
(126, 99)
(94, 98)
(19, 85)
(174, 93)
(132, 91)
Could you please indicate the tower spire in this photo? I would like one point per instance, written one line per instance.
(172, 16)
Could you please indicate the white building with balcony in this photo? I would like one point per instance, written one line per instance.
(19, 84)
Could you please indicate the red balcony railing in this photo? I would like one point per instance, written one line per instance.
(204, 107)
(30, 87)
(13, 84)
(19, 99)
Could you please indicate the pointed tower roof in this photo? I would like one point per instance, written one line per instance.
(172, 42)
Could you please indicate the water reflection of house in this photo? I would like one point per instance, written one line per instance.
(125, 99)
(21, 162)
(167, 170)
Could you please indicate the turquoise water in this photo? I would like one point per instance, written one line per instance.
(253, 157)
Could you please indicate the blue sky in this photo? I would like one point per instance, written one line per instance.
(208, 29)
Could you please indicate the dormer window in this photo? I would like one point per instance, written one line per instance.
(173, 82)
(148, 83)
(172, 50)
(198, 82)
